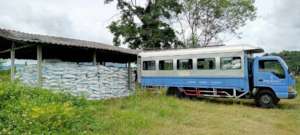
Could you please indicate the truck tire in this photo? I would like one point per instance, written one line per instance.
(180, 94)
(171, 91)
(266, 99)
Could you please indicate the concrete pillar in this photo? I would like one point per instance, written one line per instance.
(12, 60)
(129, 76)
(39, 65)
(95, 57)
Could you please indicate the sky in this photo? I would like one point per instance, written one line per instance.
(276, 28)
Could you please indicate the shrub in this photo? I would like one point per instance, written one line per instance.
(29, 110)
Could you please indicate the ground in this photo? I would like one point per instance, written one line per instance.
(26, 110)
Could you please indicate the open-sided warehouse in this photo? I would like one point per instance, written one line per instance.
(69, 64)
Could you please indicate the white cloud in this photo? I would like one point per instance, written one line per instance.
(276, 28)
(68, 18)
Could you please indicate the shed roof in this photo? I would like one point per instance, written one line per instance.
(37, 38)
(204, 50)
(65, 49)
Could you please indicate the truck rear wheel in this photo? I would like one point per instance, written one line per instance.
(266, 99)
(171, 91)
(180, 94)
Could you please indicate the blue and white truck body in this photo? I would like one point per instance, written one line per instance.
(220, 71)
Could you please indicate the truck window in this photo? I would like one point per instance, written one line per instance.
(231, 63)
(185, 64)
(149, 65)
(206, 63)
(272, 66)
(166, 65)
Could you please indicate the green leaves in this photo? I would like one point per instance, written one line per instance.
(148, 26)
(144, 26)
(27, 110)
(208, 18)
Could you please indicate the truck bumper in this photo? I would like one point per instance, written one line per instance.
(292, 95)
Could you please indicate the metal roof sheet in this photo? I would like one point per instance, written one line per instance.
(204, 50)
(37, 38)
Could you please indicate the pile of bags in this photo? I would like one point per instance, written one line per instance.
(81, 79)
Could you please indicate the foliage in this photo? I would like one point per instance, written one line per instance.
(5, 75)
(26, 110)
(208, 18)
(144, 26)
(292, 58)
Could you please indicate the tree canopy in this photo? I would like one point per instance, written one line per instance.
(143, 26)
(149, 25)
(206, 19)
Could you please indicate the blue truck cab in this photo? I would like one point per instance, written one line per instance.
(219, 71)
(272, 73)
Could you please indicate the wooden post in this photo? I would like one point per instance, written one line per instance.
(12, 60)
(129, 76)
(39, 65)
(139, 69)
(95, 57)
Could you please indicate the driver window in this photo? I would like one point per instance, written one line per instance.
(272, 66)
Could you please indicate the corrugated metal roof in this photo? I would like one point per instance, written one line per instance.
(204, 50)
(36, 38)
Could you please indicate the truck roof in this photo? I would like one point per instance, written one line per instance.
(203, 50)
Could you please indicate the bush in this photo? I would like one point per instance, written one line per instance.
(26, 110)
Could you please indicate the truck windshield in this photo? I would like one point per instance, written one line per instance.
(285, 66)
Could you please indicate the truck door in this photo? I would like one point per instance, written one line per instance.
(271, 74)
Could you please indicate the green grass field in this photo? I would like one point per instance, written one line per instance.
(26, 110)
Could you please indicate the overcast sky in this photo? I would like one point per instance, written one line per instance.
(276, 28)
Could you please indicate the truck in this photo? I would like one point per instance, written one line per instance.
(232, 71)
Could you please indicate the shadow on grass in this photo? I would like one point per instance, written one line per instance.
(282, 105)
(289, 105)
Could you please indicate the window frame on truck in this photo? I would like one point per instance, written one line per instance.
(189, 66)
(207, 60)
(161, 66)
(150, 67)
(232, 59)
(282, 75)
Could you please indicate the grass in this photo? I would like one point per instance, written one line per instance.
(26, 110)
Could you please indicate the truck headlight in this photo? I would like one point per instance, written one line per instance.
(292, 88)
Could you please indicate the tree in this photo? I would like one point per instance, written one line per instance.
(144, 26)
(206, 19)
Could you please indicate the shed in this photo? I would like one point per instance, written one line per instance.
(20, 45)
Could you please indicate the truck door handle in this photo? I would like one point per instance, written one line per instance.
(260, 80)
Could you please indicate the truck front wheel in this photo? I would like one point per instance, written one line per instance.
(266, 99)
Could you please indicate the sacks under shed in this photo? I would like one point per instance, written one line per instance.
(94, 82)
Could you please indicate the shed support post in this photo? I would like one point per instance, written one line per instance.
(139, 69)
(95, 57)
(129, 76)
(12, 60)
(39, 65)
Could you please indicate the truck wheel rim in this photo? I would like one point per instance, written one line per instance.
(266, 99)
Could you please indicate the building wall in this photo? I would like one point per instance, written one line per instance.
(85, 79)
